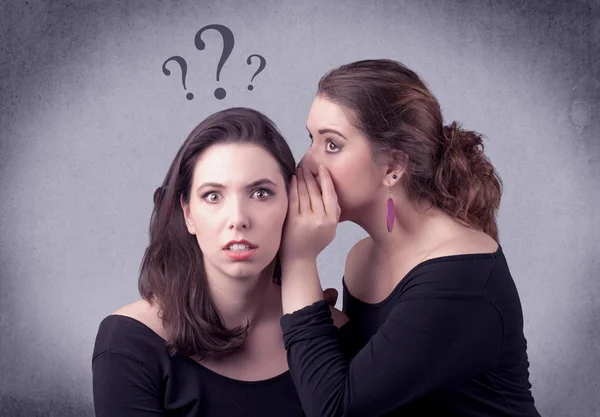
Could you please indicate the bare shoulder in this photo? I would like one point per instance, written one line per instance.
(467, 242)
(135, 310)
(144, 312)
(356, 260)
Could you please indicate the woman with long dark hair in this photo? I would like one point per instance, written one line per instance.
(205, 339)
(429, 293)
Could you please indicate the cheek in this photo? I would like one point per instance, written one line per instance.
(206, 223)
(352, 180)
(272, 220)
(201, 216)
(278, 215)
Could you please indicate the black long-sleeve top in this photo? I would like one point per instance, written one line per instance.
(448, 341)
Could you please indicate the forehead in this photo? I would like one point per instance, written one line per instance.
(235, 162)
(325, 113)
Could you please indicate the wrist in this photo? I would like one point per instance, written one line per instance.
(295, 263)
(300, 284)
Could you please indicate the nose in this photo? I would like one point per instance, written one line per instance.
(310, 162)
(238, 216)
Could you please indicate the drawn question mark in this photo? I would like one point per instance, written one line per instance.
(183, 66)
(263, 64)
(228, 42)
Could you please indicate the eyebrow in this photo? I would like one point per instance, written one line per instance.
(324, 131)
(257, 183)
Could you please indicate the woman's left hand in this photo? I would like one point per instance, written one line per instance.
(312, 217)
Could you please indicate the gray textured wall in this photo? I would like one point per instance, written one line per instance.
(89, 124)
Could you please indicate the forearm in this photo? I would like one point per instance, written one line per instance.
(317, 363)
(300, 285)
(424, 344)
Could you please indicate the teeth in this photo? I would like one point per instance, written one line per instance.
(239, 246)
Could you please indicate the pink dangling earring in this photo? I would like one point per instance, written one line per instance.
(391, 213)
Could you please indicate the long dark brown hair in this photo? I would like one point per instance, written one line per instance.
(172, 272)
(398, 114)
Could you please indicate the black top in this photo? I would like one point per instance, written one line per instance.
(134, 376)
(448, 341)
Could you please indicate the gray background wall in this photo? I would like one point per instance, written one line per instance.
(89, 124)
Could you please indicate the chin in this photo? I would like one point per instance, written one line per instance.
(354, 212)
(346, 215)
(243, 270)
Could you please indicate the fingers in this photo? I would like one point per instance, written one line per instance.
(330, 295)
(339, 318)
(303, 197)
(316, 201)
(293, 201)
(330, 200)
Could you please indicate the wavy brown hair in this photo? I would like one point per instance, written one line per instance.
(399, 116)
(172, 272)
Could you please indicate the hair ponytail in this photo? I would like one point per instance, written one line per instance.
(468, 187)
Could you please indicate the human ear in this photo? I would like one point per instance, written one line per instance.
(396, 167)
(185, 207)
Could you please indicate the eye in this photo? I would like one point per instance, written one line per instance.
(332, 147)
(262, 194)
(212, 197)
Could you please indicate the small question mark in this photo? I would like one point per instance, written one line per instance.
(183, 66)
(263, 64)
(228, 42)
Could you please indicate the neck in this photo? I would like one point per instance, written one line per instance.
(240, 300)
(416, 225)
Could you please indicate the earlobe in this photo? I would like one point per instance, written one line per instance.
(396, 168)
(185, 208)
(392, 177)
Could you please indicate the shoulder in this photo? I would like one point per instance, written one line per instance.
(357, 257)
(461, 265)
(461, 240)
(131, 331)
(145, 313)
(468, 242)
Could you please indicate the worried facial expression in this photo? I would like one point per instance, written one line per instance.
(345, 152)
(238, 204)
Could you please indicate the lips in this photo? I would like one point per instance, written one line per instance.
(239, 243)
(239, 250)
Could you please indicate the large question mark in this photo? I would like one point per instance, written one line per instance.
(183, 66)
(228, 42)
(263, 64)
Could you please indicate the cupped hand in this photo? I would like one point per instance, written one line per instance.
(312, 217)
